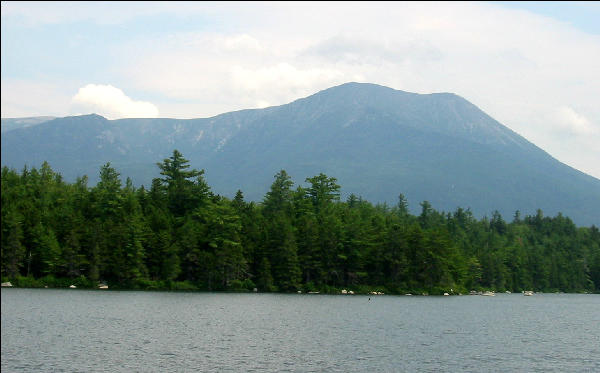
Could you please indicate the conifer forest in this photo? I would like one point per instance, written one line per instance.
(177, 234)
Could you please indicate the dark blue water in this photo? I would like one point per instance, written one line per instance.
(48, 330)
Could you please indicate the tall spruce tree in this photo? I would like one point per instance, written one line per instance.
(184, 193)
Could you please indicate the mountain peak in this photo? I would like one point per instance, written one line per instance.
(356, 88)
(360, 85)
(369, 88)
(377, 141)
(442, 113)
(92, 116)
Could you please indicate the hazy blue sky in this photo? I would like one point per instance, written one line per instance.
(534, 66)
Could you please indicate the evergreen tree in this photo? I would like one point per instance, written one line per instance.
(178, 230)
(280, 243)
(184, 193)
(13, 252)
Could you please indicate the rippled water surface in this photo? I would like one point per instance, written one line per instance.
(46, 330)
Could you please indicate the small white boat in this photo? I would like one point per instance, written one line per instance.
(488, 294)
(528, 293)
(73, 287)
(6, 285)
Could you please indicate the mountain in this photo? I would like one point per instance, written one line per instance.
(378, 142)
(13, 123)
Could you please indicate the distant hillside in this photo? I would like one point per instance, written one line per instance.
(378, 142)
(14, 123)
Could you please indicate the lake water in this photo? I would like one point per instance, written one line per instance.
(47, 330)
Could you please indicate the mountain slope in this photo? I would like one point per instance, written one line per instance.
(378, 142)
(9, 124)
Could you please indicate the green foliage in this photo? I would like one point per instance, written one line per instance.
(182, 285)
(178, 235)
(49, 281)
(183, 192)
(26, 282)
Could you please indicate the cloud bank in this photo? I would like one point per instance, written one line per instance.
(535, 74)
(576, 123)
(110, 102)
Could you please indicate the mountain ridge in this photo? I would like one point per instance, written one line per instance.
(378, 141)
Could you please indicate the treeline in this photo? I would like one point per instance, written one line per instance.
(178, 234)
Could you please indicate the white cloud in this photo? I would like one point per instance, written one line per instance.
(517, 66)
(22, 98)
(354, 49)
(574, 122)
(285, 79)
(110, 102)
(241, 42)
(261, 104)
(36, 13)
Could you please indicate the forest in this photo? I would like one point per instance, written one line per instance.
(180, 235)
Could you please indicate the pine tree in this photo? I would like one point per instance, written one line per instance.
(184, 193)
